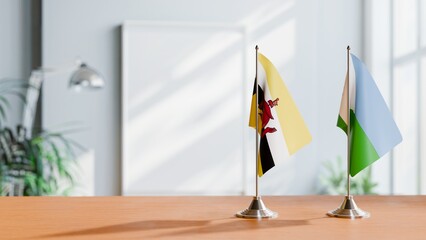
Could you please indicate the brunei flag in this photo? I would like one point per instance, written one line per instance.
(281, 127)
(373, 131)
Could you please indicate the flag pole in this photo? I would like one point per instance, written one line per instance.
(348, 208)
(348, 133)
(257, 208)
(257, 127)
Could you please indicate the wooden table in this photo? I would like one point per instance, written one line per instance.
(301, 217)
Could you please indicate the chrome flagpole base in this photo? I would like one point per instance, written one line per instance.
(348, 209)
(257, 209)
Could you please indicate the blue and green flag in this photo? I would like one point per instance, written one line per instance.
(373, 130)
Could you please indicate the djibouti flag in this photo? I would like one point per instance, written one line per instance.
(281, 128)
(373, 132)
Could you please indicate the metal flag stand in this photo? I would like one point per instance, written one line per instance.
(257, 208)
(348, 209)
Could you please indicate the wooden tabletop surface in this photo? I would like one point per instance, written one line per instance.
(300, 217)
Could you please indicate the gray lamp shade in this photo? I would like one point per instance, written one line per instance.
(86, 77)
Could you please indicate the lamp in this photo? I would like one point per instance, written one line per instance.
(86, 77)
(82, 76)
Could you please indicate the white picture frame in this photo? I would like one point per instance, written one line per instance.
(183, 102)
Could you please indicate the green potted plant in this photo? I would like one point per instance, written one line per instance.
(333, 180)
(40, 164)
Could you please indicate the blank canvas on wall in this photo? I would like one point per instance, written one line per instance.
(182, 109)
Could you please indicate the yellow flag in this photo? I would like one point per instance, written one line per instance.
(281, 126)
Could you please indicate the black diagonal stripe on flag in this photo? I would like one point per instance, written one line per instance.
(266, 159)
(265, 155)
(260, 92)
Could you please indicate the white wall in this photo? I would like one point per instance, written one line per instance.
(306, 40)
(15, 47)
